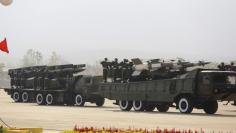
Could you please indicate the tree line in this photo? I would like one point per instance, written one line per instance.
(34, 58)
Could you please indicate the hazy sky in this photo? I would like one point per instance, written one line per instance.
(84, 31)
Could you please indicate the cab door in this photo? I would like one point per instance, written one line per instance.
(204, 84)
(83, 85)
(87, 87)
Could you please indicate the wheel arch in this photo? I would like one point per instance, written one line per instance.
(177, 98)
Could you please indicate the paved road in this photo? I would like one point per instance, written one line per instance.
(63, 117)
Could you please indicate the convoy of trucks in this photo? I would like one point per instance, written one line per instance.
(165, 85)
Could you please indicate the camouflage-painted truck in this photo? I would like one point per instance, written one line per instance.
(54, 85)
(198, 88)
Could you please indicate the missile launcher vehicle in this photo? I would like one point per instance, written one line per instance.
(160, 84)
(60, 84)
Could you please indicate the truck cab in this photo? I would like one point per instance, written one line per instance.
(207, 86)
(86, 90)
(217, 85)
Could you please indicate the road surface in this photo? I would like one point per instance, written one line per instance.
(64, 117)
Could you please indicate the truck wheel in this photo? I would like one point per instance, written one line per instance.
(100, 102)
(79, 101)
(25, 97)
(210, 107)
(139, 105)
(125, 105)
(185, 105)
(16, 97)
(163, 108)
(149, 108)
(49, 99)
(40, 99)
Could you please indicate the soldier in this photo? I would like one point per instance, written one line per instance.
(222, 66)
(115, 67)
(130, 69)
(124, 70)
(105, 66)
(232, 67)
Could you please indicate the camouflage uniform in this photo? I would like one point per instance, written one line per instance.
(130, 70)
(115, 68)
(124, 70)
(222, 66)
(232, 67)
(105, 66)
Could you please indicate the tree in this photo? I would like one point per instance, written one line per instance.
(54, 59)
(32, 58)
(94, 69)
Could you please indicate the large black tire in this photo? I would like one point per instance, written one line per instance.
(40, 99)
(16, 96)
(25, 97)
(185, 105)
(139, 105)
(100, 102)
(79, 100)
(210, 107)
(50, 99)
(163, 107)
(149, 107)
(125, 105)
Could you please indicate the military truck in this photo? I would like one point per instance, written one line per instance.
(198, 88)
(59, 84)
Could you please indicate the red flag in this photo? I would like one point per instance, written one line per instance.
(3, 46)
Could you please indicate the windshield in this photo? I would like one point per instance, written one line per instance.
(224, 78)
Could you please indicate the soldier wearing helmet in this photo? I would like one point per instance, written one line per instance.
(124, 70)
(105, 67)
(115, 69)
(222, 66)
